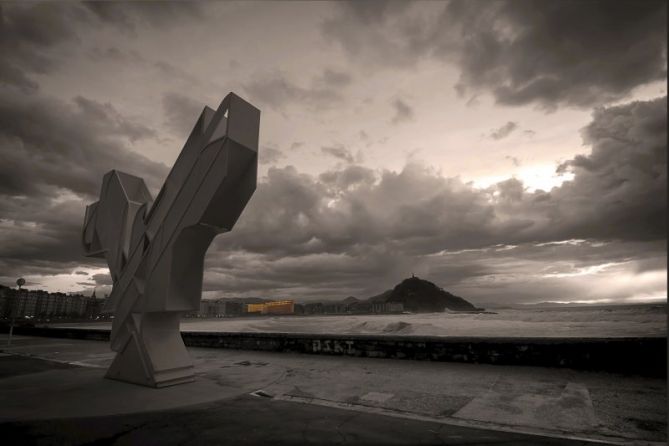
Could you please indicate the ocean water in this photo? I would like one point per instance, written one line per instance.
(612, 321)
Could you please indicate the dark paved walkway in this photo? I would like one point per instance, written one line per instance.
(241, 420)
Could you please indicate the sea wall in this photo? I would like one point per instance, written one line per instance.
(643, 356)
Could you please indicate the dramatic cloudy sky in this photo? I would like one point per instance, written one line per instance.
(510, 152)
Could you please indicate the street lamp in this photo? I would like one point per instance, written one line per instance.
(12, 310)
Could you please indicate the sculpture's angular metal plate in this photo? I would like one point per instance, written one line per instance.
(155, 249)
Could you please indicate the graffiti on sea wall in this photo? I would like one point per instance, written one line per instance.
(332, 346)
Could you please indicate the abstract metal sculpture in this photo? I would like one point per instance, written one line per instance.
(155, 251)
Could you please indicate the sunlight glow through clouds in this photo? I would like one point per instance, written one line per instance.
(642, 298)
(655, 278)
(587, 270)
(540, 176)
(66, 283)
(632, 287)
(648, 297)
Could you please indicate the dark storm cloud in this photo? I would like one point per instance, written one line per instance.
(403, 112)
(323, 275)
(142, 63)
(335, 79)
(339, 152)
(270, 155)
(12, 75)
(167, 69)
(624, 178)
(115, 122)
(503, 131)
(277, 92)
(102, 279)
(619, 189)
(130, 14)
(181, 112)
(348, 177)
(40, 24)
(33, 33)
(374, 10)
(29, 32)
(577, 53)
(40, 236)
(379, 32)
(618, 192)
(67, 146)
(117, 55)
(54, 155)
(574, 52)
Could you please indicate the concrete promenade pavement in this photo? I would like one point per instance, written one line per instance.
(52, 392)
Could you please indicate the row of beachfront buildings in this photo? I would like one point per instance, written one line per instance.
(231, 308)
(39, 304)
(42, 305)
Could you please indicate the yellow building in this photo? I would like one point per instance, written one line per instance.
(255, 308)
(275, 307)
(279, 307)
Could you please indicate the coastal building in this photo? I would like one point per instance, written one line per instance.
(362, 308)
(279, 307)
(228, 308)
(219, 308)
(206, 308)
(314, 308)
(254, 308)
(353, 307)
(394, 307)
(273, 307)
(336, 308)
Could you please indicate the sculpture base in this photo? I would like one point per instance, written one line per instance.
(154, 355)
(184, 379)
